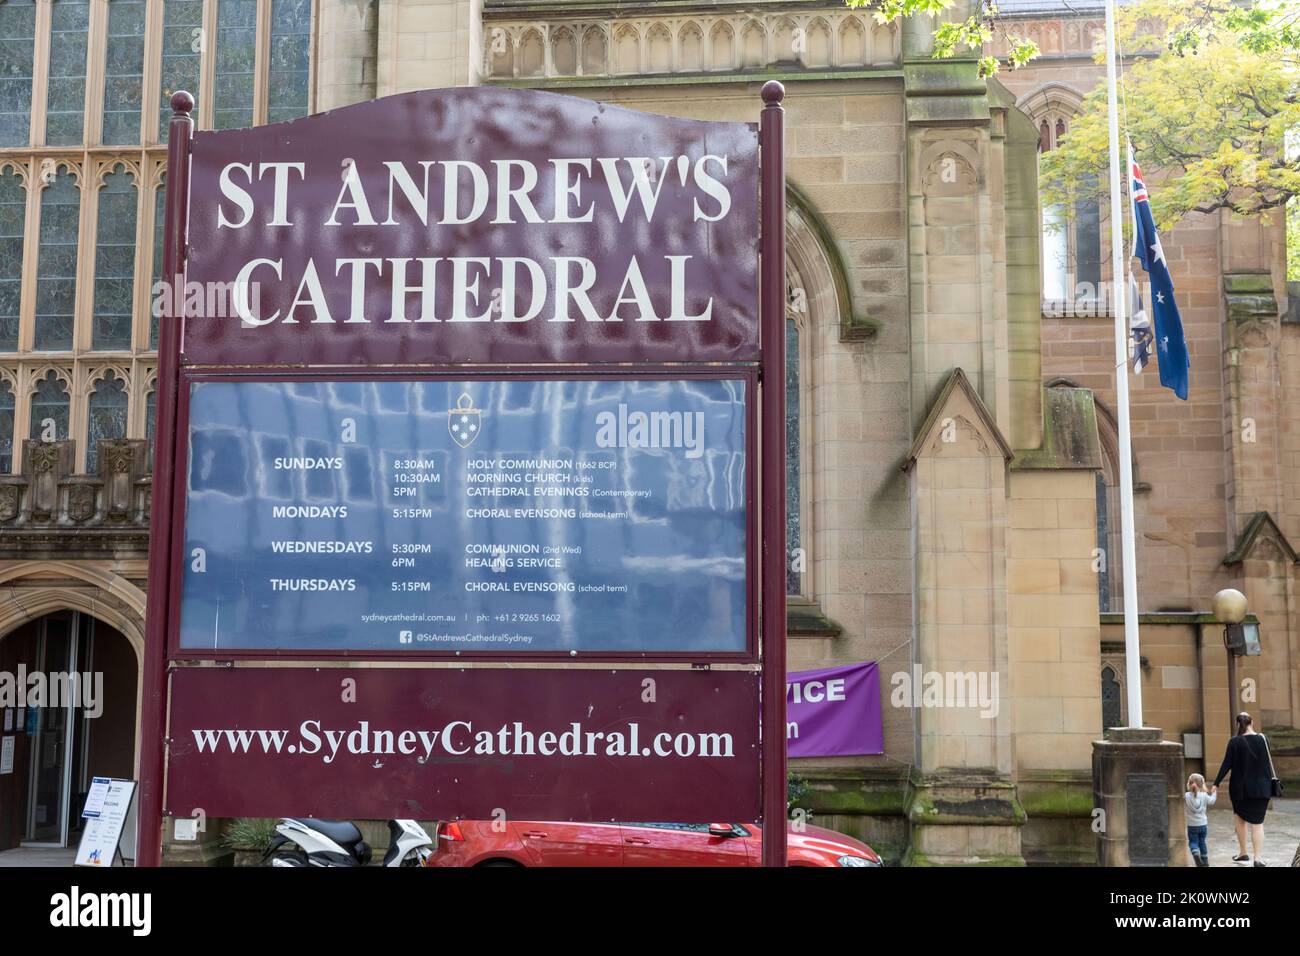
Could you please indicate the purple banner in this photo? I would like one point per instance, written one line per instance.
(834, 712)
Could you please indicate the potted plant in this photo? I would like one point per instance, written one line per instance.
(249, 837)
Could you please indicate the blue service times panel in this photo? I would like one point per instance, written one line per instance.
(504, 515)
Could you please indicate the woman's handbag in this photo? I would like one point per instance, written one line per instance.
(1274, 782)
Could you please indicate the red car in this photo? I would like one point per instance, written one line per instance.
(507, 843)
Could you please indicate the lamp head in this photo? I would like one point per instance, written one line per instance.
(1229, 606)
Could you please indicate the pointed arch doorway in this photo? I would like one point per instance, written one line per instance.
(85, 728)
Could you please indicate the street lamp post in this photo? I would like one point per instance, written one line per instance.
(1229, 608)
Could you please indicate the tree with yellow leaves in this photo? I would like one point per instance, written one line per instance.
(1210, 100)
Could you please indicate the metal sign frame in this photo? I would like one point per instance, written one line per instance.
(766, 575)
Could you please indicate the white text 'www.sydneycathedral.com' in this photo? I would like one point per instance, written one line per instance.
(458, 738)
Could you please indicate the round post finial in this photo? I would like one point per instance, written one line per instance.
(182, 102)
(773, 92)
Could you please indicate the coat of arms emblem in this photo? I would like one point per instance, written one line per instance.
(463, 421)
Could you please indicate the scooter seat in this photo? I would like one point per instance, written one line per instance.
(342, 832)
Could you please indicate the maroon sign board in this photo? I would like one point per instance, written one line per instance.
(475, 226)
(490, 232)
(406, 743)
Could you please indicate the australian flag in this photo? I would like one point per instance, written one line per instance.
(1167, 336)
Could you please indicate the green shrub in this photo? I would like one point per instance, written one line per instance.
(249, 833)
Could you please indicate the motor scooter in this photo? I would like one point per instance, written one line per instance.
(338, 843)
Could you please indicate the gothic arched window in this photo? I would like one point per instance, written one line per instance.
(107, 418)
(84, 83)
(150, 420)
(1103, 542)
(793, 449)
(1111, 700)
(159, 211)
(1111, 579)
(49, 410)
(7, 409)
(115, 263)
(56, 263)
(1071, 237)
(13, 215)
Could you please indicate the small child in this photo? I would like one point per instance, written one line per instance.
(1197, 801)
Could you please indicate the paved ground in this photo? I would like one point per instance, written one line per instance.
(1281, 832)
(37, 856)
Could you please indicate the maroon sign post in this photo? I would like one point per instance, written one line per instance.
(501, 243)
(775, 548)
(153, 709)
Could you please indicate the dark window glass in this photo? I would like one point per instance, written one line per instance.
(49, 404)
(115, 263)
(107, 417)
(65, 98)
(7, 407)
(150, 421)
(13, 211)
(1103, 543)
(56, 263)
(793, 524)
(123, 72)
(182, 48)
(17, 54)
(290, 60)
(1111, 712)
(159, 208)
(1087, 241)
(236, 60)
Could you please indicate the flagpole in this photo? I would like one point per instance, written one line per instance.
(1128, 547)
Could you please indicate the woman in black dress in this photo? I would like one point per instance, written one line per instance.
(1250, 786)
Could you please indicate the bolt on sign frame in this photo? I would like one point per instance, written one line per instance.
(667, 237)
